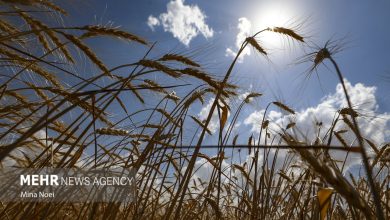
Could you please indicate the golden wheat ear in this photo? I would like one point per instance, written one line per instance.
(160, 67)
(252, 95)
(152, 85)
(93, 31)
(256, 45)
(179, 58)
(87, 51)
(288, 32)
(112, 131)
(284, 107)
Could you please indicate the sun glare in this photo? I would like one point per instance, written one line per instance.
(270, 16)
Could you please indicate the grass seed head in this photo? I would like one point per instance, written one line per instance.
(256, 45)
(288, 32)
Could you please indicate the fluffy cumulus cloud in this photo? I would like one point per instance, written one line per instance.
(152, 22)
(244, 30)
(373, 126)
(184, 21)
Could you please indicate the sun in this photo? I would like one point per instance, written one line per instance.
(273, 15)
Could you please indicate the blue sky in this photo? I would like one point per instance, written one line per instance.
(360, 27)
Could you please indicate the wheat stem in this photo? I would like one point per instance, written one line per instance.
(375, 193)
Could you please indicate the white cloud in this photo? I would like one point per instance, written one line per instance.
(184, 21)
(244, 30)
(373, 126)
(244, 93)
(152, 21)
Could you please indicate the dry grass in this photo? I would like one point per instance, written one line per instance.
(85, 116)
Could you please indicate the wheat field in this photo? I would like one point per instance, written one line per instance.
(53, 114)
